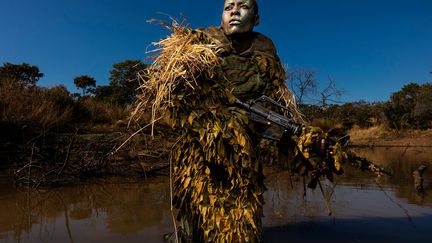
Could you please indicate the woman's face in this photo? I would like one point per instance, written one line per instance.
(238, 17)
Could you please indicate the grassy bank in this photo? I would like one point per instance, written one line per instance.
(381, 136)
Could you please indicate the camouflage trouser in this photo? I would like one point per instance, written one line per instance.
(185, 232)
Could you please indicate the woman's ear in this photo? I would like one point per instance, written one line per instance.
(257, 20)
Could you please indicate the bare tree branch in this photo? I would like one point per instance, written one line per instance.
(302, 82)
(330, 91)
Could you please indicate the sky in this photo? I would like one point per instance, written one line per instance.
(370, 48)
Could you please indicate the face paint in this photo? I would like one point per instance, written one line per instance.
(238, 17)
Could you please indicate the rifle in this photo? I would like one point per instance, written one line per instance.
(279, 126)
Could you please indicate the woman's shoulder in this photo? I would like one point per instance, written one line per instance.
(263, 44)
(213, 31)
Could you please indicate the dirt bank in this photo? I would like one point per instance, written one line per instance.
(379, 136)
(66, 158)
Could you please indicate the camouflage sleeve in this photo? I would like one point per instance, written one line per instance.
(276, 88)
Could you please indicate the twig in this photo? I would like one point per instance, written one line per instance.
(398, 204)
(304, 187)
(135, 133)
(67, 154)
(290, 179)
(65, 208)
(326, 200)
(171, 188)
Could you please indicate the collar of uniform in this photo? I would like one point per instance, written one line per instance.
(225, 45)
(260, 44)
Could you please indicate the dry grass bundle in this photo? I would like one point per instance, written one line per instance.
(178, 60)
(288, 98)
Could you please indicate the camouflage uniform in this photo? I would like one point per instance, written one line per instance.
(218, 182)
(254, 72)
(217, 179)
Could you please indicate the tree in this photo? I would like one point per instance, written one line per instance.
(86, 83)
(109, 94)
(355, 113)
(422, 112)
(305, 87)
(124, 79)
(329, 92)
(59, 95)
(303, 82)
(401, 104)
(23, 74)
(410, 107)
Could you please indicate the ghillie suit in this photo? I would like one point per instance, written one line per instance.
(217, 179)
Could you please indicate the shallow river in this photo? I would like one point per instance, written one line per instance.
(118, 210)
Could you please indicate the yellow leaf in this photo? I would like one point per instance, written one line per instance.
(337, 161)
(206, 233)
(241, 140)
(216, 129)
(337, 165)
(182, 120)
(230, 171)
(212, 199)
(199, 187)
(249, 217)
(218, 220)
(230, 96)
(186, 182)
(201, 134)
(204, 211)
(191, 117)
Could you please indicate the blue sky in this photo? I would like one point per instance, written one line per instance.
(371, 48)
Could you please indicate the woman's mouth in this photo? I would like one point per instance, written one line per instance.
(234, 22)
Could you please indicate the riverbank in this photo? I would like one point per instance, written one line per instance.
(57, 159)
(64, 158)
(382, 137)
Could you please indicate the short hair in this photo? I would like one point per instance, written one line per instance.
(255, 7)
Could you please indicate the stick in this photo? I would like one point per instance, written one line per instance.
(327, 204)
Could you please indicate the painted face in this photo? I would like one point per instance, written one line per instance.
(238, 17)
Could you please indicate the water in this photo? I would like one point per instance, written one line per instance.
(120, 210)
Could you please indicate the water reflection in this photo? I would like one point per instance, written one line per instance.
(80, 214)
(403, 161)
(138, 211)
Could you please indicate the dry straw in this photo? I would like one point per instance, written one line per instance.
(178, 60)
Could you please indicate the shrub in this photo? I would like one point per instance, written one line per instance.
(88, 109)
(33, 106)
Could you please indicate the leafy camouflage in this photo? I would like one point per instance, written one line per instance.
(217, 178)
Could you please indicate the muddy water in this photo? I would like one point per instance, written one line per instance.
(138, 211)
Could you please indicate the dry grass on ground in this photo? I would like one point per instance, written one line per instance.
(381, 136)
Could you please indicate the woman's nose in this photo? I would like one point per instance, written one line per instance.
(235, 10)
